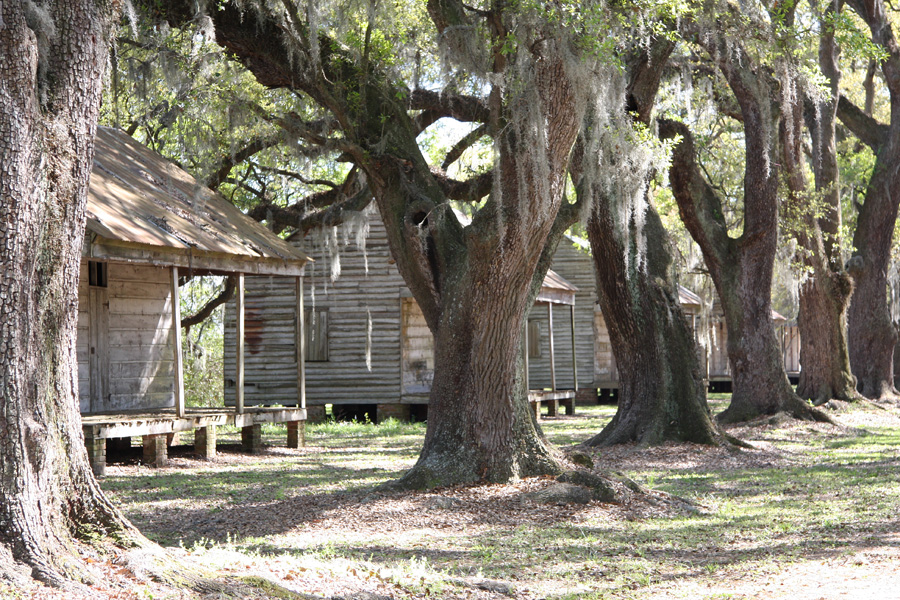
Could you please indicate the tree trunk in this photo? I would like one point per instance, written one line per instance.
(480, 425)
(662, 393)
(760, 385)
(871, 332)
(50, 89)
(872, 335)
(815, 221)
(824, 350)
(482, 276)
(741, 268)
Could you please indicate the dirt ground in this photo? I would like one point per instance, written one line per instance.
(402, 543)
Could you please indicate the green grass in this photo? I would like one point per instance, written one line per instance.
(830, 494)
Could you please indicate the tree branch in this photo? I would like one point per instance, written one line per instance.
(229, 161)
(467, 109)
(464, 144)
(470, 190)
(869, 131)
(204, 313)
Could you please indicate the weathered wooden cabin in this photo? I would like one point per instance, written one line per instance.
(150, 224)
(370, 352)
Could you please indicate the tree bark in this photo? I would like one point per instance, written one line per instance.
(51, 77)
(815, 221)
(872, 335)
(741, 268)
(662, 393)
(473, 284)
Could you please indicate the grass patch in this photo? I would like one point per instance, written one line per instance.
(810, 493)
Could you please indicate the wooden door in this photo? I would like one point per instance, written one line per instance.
(98, 299)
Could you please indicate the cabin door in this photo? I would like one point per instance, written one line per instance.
(416, 350)
(98, 306)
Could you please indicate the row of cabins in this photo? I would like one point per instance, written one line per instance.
(370, 353)
(352, 336)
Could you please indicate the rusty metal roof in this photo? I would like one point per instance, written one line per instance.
(137, 197)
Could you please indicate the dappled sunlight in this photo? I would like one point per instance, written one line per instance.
(805, 495)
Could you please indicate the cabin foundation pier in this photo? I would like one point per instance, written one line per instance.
(552, 407)
(96, 448)
(156, 452)
(587, 397)
(296, 434)
(205, 442)
(251, 438)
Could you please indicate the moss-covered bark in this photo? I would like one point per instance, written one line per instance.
(474, 284)
(49, 100)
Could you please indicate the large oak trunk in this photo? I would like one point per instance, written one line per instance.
(816, 224)
(824, 352)
(741, 269)
(760, 384)
(480, 426)
(49, 101)
(662, 394)
(871, 333)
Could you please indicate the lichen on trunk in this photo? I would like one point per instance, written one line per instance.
(662, 394)
(48, 494)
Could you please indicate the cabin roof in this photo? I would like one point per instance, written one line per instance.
(688, 298)
(556, 290)
(143, 208)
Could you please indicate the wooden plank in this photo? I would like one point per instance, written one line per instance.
(239, 311)
(176, 334)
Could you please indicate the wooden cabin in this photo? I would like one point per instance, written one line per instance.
(370, 352)
(149, 224)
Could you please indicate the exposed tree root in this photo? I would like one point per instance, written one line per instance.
(445, 469)
(791, 405)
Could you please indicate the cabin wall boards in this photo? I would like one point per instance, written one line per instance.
(353, 324)
(125, 348)
(574, 264)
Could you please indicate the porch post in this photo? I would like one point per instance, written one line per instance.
(176, 331)
(552, 353)
(239, 357)
(574, 356)
(527, 366)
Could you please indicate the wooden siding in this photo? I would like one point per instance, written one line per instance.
(124, 347)
(576, 266)
(352, 300)
(606, 375)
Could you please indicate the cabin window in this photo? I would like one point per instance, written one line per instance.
(97, 274)
(534, 338)
(316, 335)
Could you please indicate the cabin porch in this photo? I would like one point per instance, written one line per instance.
(156, 426)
